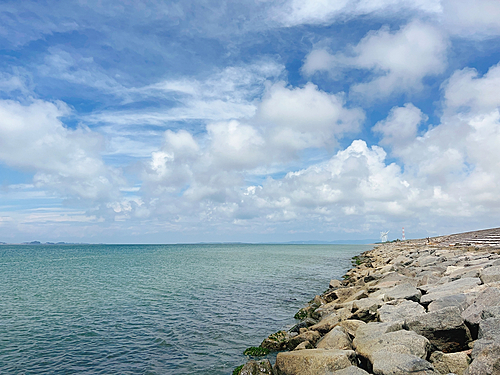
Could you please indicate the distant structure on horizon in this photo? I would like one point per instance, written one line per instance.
(383, 236)
(403, 238)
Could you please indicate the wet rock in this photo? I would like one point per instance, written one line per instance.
(398, 312)
(445, 329)
(262, 367)
(337, 338)
(313, 361)
(446, 363)
(303, 324)
(403, 291)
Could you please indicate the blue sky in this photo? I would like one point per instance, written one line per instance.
(254, 121)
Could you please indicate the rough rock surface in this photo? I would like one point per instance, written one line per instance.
(253, 367)
(313, 361)
(386, 364)
(337, 338)
(446, 363)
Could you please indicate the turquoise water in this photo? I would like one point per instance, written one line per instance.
(152, 309)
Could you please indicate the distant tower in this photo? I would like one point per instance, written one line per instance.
(404, 234)
(383, 236)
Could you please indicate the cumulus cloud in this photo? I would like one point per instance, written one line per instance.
(32, 137)
(472, 18)
(399, 60)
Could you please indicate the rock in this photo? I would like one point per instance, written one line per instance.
(384, 363)
(313, 361)
(485, 298)
(445, 329)
(326, 324)
(489, 329)
(399, 311)
(311, 336)
(453, 287)
(486, 362)
(458, 300)
(366, 309)
(335, 284)
(307, 322)
(407, 342)
(351, 326)
(358, 295)
(446, 363)
(257, 368)
(337, 338)
(277, 341)
(403, 291)
(351, 370)
(490, 274)
(304, 345)
(491, 312)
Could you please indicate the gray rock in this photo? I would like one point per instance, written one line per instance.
(486, 362)
(351, 326)
(458, 300)
(446, 363)
(403, 291)
(311, 336)
(337, 338)
(491, 312)
(313, 361)
(453, 287)
(385, 363)
(487, 297)
(445, 329)
(399, 312)
(277, 341)
(304, 345)
(351, 370)
(257, 368)
(489, 329)
(490, 274)
(402, 341)
(429, 260)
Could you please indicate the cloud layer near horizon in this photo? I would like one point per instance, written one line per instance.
(196, 135)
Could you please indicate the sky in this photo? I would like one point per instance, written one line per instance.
(249, 120)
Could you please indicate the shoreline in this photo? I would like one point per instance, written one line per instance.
(426, 306)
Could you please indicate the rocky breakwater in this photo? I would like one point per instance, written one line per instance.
(413, 307)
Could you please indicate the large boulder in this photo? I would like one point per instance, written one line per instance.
(402, 341)
(310, 336)
(453, 287)
(445, 329)
(489, 329)
(337, 338)
(313, 361)
(486, 362)
(487, 297)
(403, 291)
(459, 300)
(446, 363)
(490, 274)
(351, 326)
(327, 323)
(399, 311)
(262, 367)
(387, 363)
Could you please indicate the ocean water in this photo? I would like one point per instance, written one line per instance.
(152, 309)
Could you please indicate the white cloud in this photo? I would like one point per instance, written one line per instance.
(32, 137)
(472, 18)
(297, 12)
(399, 60)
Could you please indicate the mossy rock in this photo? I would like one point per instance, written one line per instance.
(276, 342)
(237, 370)
(256, 351)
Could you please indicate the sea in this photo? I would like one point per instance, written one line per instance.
(153, 309)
